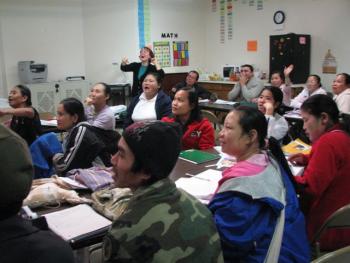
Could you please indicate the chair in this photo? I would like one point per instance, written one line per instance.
(339, 256)
(339, 219)
(214, 120)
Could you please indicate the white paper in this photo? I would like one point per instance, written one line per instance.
(202, 185)
(225, 102)
(52, 123)
(76, 221)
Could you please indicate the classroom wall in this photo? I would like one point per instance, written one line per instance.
(111, 34)
(324, 20)
(84, 37)
(48, 32)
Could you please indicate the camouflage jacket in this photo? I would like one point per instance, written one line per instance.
(163, 224)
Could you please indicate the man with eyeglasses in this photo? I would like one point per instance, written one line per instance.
(192, 82)
(248, 88)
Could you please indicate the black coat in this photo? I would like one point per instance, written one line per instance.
(21, 242)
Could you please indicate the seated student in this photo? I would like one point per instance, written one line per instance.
(151, 104)
(25, 119)
(198, 133)
(326, 177)
(97, 112)
(255, 206)
(81, 147)
(248, 87)
(313, 87)
(161, 223)
(269, 102)
(282, 81)
(341, 90)
(20, 241)
(192, 82)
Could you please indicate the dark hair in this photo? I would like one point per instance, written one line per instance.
(318, 79)
(195, 72)
(107, 89)
(320, 103)
(25, 91)
(155, 145)
(150, 51)
(346, 76)
(252, 119)
(156, 76)
(248, 66)
(280, 74)
(74, 106)
(193, 101)
(277, 95)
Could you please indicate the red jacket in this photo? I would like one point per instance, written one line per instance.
(327, 180)
(199, 134)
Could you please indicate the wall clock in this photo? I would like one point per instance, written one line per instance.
(279, 17)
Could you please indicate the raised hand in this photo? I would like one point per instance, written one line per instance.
(125, 61)
(288, 70)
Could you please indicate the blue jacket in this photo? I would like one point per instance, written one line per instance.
(246, 223)
(42, 150)
(163, 107)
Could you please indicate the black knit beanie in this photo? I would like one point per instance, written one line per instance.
(156, 146)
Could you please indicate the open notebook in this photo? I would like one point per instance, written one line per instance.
(76, 222)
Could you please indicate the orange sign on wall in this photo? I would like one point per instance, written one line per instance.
(252, 45)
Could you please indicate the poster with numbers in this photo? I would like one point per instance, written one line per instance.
(162, 53)
(180, 53)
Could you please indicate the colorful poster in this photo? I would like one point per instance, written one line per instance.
(229, 19)
(144, 23)
(222, 21)
(180, 53)
(162, 53)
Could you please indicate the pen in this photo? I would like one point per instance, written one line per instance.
(210, 165)
(192, 175)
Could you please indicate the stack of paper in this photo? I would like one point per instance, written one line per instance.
(75, 222)
(202, 185)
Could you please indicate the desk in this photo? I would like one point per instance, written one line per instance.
(216, 107)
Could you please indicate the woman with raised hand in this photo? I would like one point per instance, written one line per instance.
(25, 119)
(282, 81)
(326, 177)
(255, 206)
(141, 69)
(198, 132)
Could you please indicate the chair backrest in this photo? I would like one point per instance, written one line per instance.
(339, 219)
(214, 120)
(339, 256)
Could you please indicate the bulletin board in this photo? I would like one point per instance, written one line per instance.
(162, 53)
(180, 53)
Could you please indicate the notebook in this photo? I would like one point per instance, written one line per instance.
(197, 156)
(76, 222)
(296, 146)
